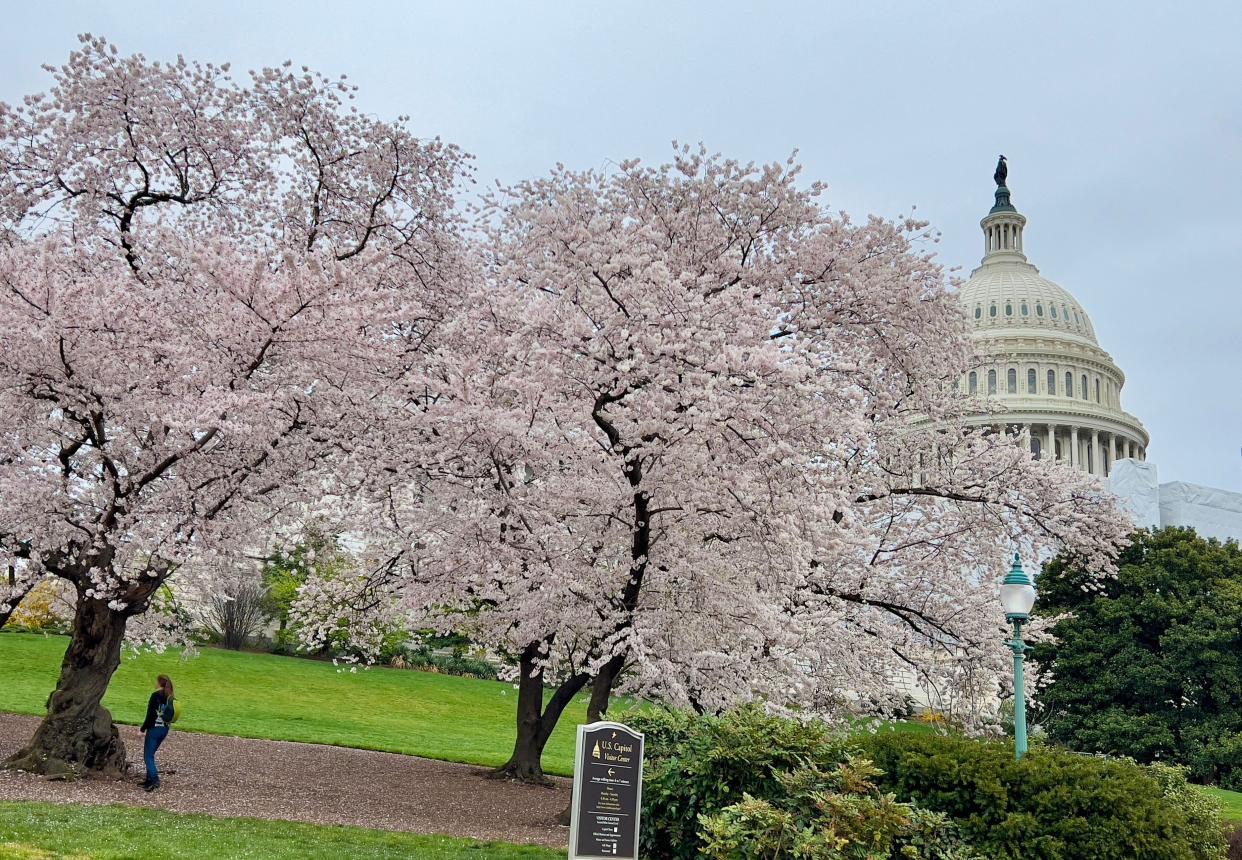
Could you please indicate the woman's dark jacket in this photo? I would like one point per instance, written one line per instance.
(154, 706)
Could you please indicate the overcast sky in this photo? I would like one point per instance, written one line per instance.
(1122, 123)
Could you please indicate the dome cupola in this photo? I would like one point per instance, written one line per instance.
(1002, 226)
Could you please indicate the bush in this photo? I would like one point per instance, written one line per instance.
(1053, 805)
(447, 664)
(1203, 813)
(829, 816)
(748, 785)
(47, 608)
(235, 612)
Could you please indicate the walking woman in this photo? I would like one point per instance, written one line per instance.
(155, 727)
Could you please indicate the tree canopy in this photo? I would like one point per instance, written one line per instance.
(1148, 664)
(197, 277)
(701, 436)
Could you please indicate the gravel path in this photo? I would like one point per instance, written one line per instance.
(239, 777)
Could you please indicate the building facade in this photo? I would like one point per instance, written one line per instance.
(1041, 367)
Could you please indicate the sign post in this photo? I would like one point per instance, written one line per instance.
(608, 793)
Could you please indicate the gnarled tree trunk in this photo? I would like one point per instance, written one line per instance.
(77, 735)
(535, 722)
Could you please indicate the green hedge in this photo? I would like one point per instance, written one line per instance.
(450, 664)
(1054, 804)
(751, 786)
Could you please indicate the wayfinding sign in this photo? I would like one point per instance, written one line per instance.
(608, 793)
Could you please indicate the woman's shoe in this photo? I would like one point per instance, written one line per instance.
(150, 787)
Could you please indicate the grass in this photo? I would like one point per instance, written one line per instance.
(46, 831)
(283, 698)
(1231, 801)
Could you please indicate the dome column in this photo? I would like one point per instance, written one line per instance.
(1073, 457)
(1112, 450)
(1052, 443)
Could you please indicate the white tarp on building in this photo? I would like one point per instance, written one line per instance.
(1135, 483)
(1210, 511)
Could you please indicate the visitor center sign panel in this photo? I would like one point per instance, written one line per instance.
(608, 792)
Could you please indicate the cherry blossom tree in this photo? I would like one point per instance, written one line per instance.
(204, 285)
(701, 438)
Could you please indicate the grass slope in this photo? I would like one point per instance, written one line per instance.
(284, 698)
(44, 831)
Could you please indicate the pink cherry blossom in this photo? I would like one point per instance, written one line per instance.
(204, 284)
(700, 441)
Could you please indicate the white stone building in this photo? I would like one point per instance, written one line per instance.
(1042, 366)
(1043, 370)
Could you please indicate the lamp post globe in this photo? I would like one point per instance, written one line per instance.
(1017, 594)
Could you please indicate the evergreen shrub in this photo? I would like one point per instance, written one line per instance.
(450, 664)
(749, 785)
(1054, 804)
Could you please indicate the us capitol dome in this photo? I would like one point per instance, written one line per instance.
(1041, 365)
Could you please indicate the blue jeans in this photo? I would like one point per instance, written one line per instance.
(155, 737)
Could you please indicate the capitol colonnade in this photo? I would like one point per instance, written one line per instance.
(1040, 369)
(1088, 448)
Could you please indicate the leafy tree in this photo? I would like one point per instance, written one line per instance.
(284, 573)
(1149, 664)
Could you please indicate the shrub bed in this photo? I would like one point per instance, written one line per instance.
(450, 664)
(748, 785)
(1054, 804)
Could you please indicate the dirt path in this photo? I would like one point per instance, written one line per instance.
(239, 777)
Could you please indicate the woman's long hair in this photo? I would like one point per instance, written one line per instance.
(166, 686)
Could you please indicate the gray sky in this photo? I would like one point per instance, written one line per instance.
(1122, 123)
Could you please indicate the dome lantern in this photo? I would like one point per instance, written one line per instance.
(1002, 226)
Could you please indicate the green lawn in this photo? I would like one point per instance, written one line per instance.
(285, 698)
(46, 831)
(1231, 801)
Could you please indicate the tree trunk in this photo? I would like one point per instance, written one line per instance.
(601, 688)
(534, 721)
(77, 735)
(14, 597)
(597, 709)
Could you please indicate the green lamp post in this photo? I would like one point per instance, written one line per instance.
(1017, 594)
